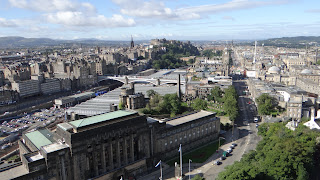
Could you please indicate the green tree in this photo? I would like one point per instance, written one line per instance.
(197, 177)
(121, 106)
(199, 104)
(266, 104)
(170, 104)
(216, 94)
(281, 154)
(151, 93)
(230, 104)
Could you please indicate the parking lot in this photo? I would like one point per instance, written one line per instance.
(28, 122)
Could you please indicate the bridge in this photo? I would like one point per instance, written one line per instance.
(143, 79)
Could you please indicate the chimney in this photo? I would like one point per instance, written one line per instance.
(179, 88)
(132, 87)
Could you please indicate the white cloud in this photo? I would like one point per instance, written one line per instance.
(72, 13)
(8, 23)
(69, 18)
(228, 18)
(156, 9)
(46, 5)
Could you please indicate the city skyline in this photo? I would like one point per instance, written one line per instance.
(182, 20)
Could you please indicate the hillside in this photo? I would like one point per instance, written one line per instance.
(294, 42)
(21, 42)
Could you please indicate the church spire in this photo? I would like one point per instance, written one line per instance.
(132, 43)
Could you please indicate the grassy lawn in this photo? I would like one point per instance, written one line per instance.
(219, 113)
(199, 155)
(12, 158)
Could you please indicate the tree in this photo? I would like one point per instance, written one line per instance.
(216, 94)
(197, 177)
(121, 106)
(230, 104)
(266, 104)
(199, 104)
(151, 93)
(281, 154)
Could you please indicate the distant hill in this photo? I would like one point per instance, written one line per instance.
(297, 42)
(21, 42)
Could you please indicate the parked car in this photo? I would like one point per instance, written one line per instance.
(255, 119)
(217, 162)
(222, 158)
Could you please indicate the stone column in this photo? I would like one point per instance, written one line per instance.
(132, 148)
(110, 156)
(118, 152)
(95, 161)
(125, 152)
(103, 158)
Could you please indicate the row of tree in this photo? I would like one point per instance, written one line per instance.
(282, 154)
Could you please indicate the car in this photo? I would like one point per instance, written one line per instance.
(229, 150)
(234, 144)
(217, 162)
(255, 119)
(257, 125)
(222, 158)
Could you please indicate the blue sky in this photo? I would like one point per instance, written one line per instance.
(171, 19)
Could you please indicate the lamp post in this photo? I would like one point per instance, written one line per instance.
(189, 167)
(219, 140)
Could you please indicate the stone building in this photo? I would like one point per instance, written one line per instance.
(26, 88)
(111, 145)
(105, 147)
(130, 99)
(191, 130)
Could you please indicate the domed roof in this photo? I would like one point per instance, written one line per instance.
(306, 71)
(274, 70)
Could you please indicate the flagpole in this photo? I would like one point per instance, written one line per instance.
(159, 163)
(160, 171)
(189, 167)
(181, 160)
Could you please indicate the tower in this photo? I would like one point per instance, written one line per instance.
(255, 52)
(132, 43)
(179, 87)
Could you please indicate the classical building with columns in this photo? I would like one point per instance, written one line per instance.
(110, 146)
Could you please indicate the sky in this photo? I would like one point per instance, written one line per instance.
(150, 19)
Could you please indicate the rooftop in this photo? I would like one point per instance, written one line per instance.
(35, 157)
(101, 118)
(188, 118)
(40, 138)
(82, 94)
(54, 147)
(13, 172)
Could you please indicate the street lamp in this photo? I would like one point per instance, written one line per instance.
(189, 167)
(219, 140)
